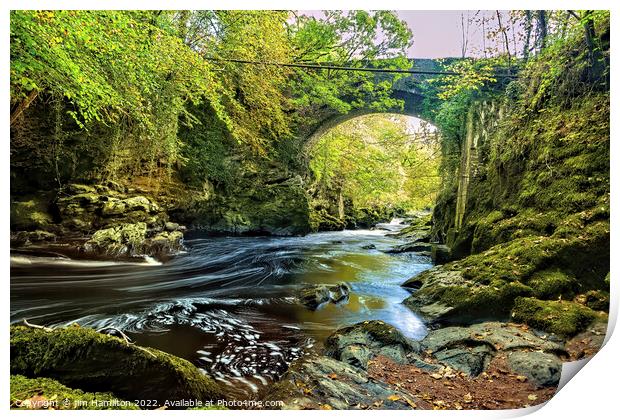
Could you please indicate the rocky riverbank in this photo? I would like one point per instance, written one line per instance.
(95, 221)
(490, 365)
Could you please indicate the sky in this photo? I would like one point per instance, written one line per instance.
(438, 34)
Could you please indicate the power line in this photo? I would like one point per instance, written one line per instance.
(330, 67)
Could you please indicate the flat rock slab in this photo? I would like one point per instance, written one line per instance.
(320, 382)
(498, 335)
(471, 349)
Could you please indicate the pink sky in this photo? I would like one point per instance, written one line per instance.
(437, 33)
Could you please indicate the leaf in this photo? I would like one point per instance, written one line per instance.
(532, 397)
(393, 397)
(436, 376)
(467, 398)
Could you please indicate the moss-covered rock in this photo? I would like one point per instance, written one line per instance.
(357, 343)
(126, 239)
(558, 317)
(94, 362)
(484, 286)
(321, 220)
(553, 284)
(30, 214)
(45, 393)
(597, 300)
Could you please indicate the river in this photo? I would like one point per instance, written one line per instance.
(227, 304)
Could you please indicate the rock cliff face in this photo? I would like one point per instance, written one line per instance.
(528, 217)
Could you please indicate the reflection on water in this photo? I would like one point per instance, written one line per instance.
(228, 303)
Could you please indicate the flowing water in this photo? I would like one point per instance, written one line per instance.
(227, 304)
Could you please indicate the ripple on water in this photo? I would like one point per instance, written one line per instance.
(226, 305)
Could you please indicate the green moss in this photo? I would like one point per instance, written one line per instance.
(553, 284)
(30, 214)
(44, 393)
(85, 359)
(378, 330)
(558, 317)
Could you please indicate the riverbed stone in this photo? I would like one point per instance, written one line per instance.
(541, 369)
(94, 362)
(25, 237)
(312, 297)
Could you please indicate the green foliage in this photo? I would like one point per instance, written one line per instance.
(375, 161)
(119, 69)
(350, 39)
(253, 95)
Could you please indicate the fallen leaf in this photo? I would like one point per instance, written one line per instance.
(532, 397)
(521, 378)
(393, 398)
(467, 398)
(436, 376)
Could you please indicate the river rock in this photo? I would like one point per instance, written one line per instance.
(126, 239)
(25, 238)
(541, 369)
(85, 359)
(164, 244)
(314, 296)
(369, 246)
(319, 382)
(171, 226)
(410, 247)
(358, 343)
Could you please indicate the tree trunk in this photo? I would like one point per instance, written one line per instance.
(23, 105)
(542, 28)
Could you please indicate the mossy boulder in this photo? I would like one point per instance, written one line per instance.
(553, 284)
(484, 286)
(357, 343)
(45, 393)
(125, 239)
(558, 317)
(30, 214)
(94, 362)
(447, 297)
